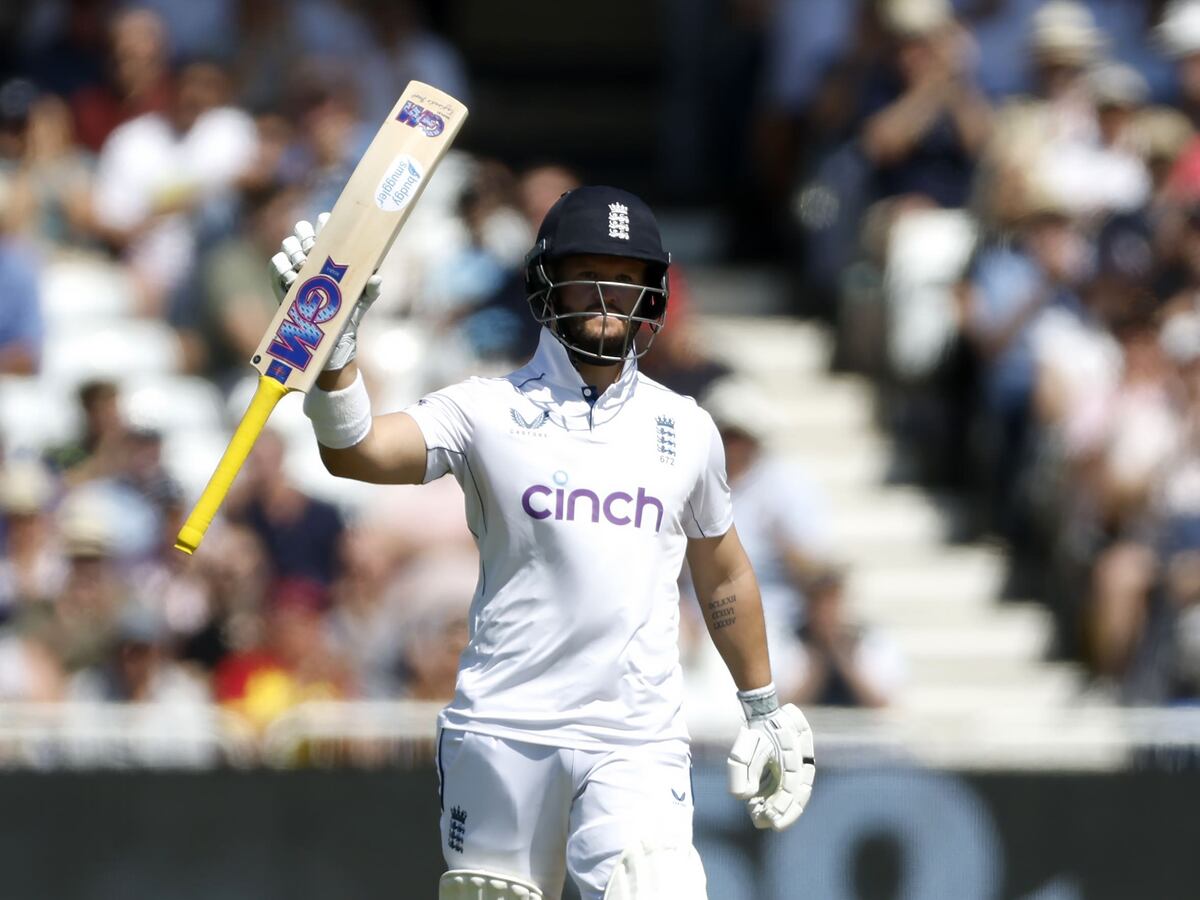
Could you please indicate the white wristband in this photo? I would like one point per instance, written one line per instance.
(759, 702)
(342, 418)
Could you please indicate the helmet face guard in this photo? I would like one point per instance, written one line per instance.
(599, 221)
(640, 325)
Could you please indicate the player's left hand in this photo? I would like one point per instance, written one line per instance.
(285, 269)
(771, 765)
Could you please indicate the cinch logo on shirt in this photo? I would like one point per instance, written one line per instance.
(619, 508)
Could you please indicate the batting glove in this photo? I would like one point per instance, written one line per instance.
(285, 269)
(772, 765)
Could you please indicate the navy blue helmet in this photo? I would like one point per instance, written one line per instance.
(599, 221)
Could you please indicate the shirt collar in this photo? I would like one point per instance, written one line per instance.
(550, 370)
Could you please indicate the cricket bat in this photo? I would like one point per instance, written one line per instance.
(362, 225)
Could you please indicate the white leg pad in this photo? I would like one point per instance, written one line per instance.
(467, 884)
(653, 872)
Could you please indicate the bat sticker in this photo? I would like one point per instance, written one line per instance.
(317, 301)
(416, 116)
(399, 184)
(279, 371)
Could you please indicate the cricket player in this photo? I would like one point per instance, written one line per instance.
(587, 485)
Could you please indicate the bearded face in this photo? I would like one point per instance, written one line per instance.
(594, 298)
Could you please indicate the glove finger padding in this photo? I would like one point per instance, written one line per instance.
(772, 767)
(797, 770)
(282, 275)
(293, 253)
(757, 807)
(371, 292)
(285, 267)
(803, 730)
(751, 754)
(306, 234)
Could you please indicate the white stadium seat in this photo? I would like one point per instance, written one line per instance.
(80, 291)
(113, 350)
(35, 414)
(172, 403)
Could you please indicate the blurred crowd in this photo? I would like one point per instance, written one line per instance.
(152, 157)
(998, 205)
(995, 202)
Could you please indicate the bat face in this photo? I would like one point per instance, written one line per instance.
(362, 225)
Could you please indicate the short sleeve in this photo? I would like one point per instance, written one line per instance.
(709, 510)
(445, 422)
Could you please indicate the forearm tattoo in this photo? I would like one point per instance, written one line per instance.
(722, 613)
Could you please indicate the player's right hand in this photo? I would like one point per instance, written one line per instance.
(771, 766)
(285, 269)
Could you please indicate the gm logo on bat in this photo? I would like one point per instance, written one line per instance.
(316, 303)
(416, 116)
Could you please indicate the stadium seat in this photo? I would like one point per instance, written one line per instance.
(35, 413)
(927, 253)
(79, 292)
(115, 350)
(170, 403)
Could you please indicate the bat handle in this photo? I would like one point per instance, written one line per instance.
(269, 393)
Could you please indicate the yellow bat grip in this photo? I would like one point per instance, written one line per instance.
(269, 393)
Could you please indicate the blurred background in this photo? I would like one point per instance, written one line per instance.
(937, 279)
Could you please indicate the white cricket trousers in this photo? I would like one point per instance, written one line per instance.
(537, 812)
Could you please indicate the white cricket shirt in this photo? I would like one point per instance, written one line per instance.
(581, 507)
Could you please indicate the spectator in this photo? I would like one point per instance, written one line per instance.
(124, 485)
(21, 326)
(265, 48)
(138, 79)
(139, 669)
(932, 121)
(32, 569)
(96, 452)
(1184, 652)
(842, 664)
(301, 534)
(94, 594)
(366, 621)
(470, 294)
(415, 51)
(53, 177)
(238, 302)
(1061, 137)
(1006, 290)
(1141, 612)
(540, 186)
(30, 668)
(296, 660)
(67, 52)
(236, 573)
(437, 594)
(678, 357)
(158, 173)
(1179, 36)
(332, 132)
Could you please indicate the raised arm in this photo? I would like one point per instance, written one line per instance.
(387, 449)
(391, 452)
